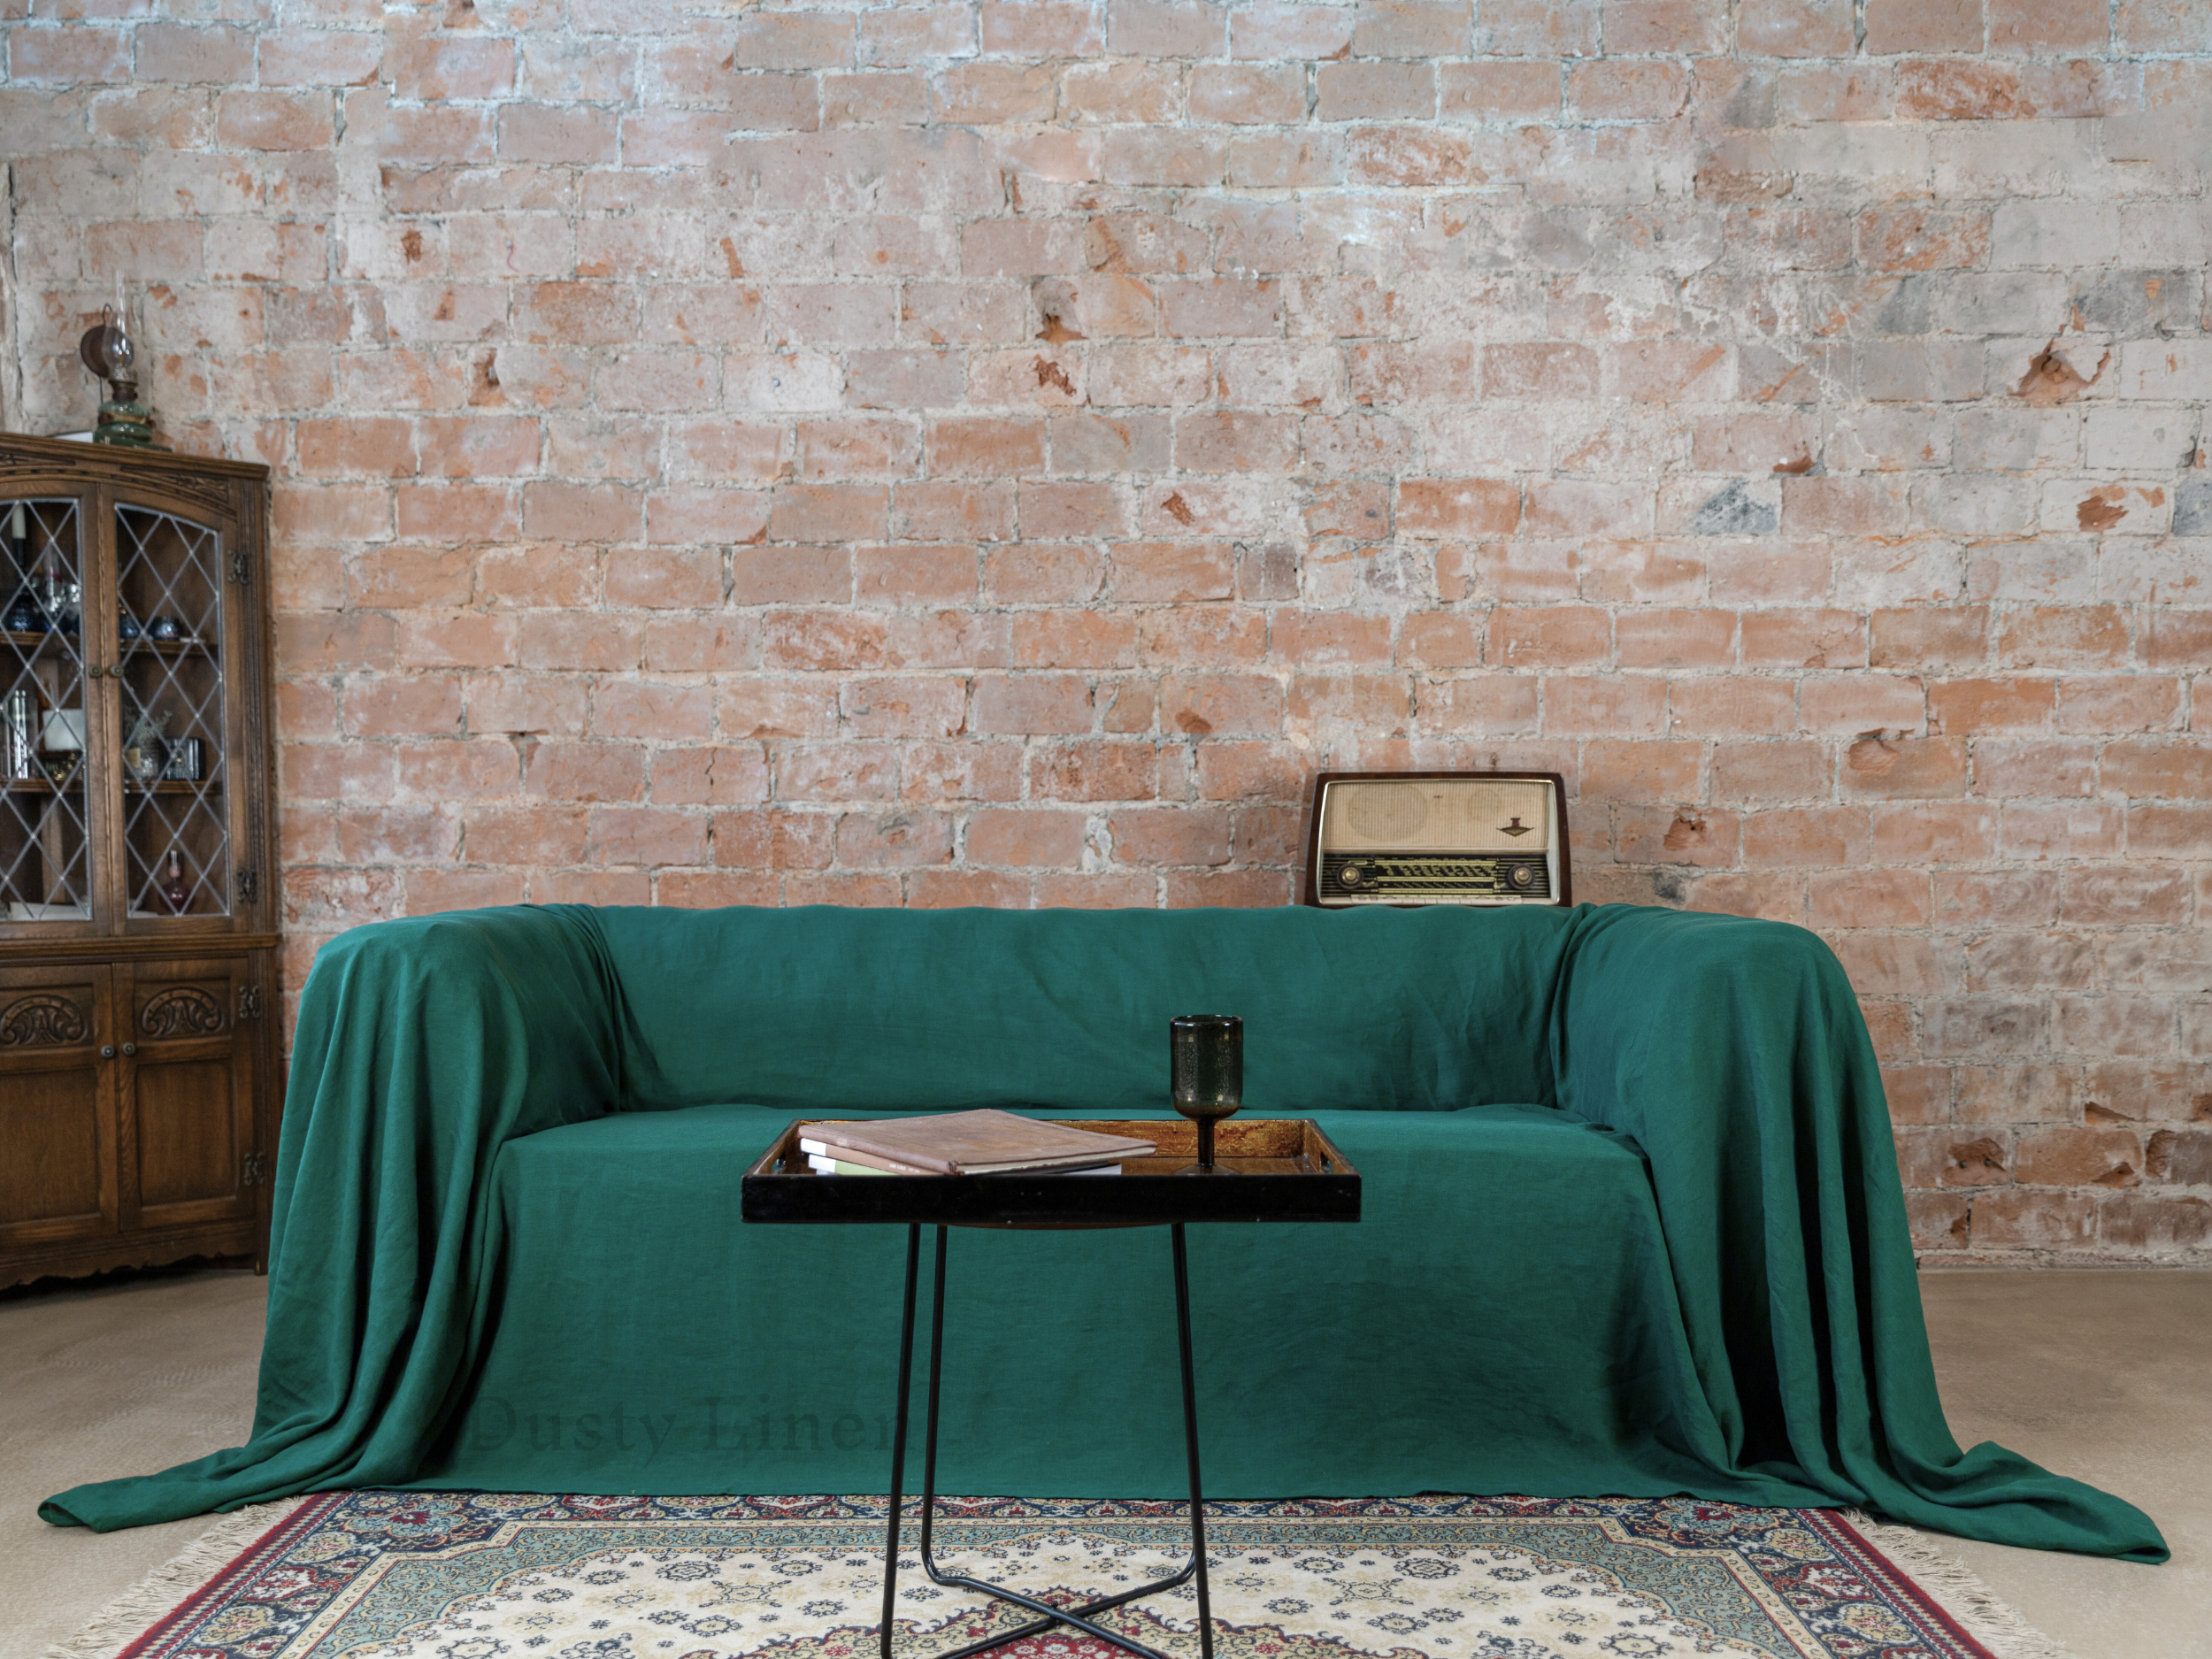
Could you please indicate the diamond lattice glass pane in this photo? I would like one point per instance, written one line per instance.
(45, 844)
(169, 627)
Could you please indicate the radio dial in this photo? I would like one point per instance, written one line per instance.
(1523, 876)
(1351, 875)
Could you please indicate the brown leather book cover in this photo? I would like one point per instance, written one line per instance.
(974, 1143)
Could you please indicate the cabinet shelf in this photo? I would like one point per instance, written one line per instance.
(30, 643)
(41, 785)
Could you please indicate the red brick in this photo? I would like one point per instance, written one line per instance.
(2178, 768)
(1923, 25)
(1770, 897)
(2143, 1226)
(2083, 636)
(1457, 507)
(568, 511)
(769, 838)
(1568, 508)
(249, 119)
(985, 446)
(1805, 835)
(2117, 703)
(417, 705)
(1095, 771)
(1040, 703)
(1236, 888)
(1930, 636)
(2180, 831)
(2040, 25)
(1803, 638)
(1173, 572)
(1563, 637)
(721, 775)
(2091, 897)
(1608, 705)
(1730, 706)
(1554, 369)
(1241, 94)
(1869, 898)
(1967, 707)
(829, 513)
(1934, 833)
(2033, 1220)
(646, 835)
(1023, 836)
(374, 446)
(1484, 705)
(588, 772)
(1214, 705)
(1331, 640)
(1375, 704)
(2080, 1157)
(1650, 770)
(1251, 771)
(1899, 768)
(1438, 639)
(901, 841)
(1375, 91)
(838, 772)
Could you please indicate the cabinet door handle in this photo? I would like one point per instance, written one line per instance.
(130, 1048)
(107, 1051)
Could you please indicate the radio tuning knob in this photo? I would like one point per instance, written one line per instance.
(1351, 875)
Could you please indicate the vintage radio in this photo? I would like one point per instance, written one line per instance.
(1438, 838)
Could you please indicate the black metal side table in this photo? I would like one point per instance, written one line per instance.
(1286, 1170)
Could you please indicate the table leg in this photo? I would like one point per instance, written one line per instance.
(1190, 1446)
(936, 1367)
(1078, 1617)
(898, 1428)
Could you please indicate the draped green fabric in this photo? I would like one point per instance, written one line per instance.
(1631, 1221)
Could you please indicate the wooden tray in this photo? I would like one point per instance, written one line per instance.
(1287, 1170)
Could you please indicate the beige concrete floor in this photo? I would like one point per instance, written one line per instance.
(2106, 1376)
(115, 1379)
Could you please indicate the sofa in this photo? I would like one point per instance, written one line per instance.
(1632, 1219)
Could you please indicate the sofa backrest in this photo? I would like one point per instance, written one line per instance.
(825, 1008)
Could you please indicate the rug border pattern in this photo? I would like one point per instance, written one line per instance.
(1942, 1633)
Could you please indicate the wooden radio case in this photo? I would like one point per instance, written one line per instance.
(1409, 838)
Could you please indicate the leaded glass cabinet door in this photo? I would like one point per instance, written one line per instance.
(174, 727)
(51, 821)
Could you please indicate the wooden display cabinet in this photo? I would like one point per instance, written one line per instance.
(138, 1063)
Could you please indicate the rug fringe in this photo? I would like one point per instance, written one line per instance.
(1981, 1612)
(124, 1620)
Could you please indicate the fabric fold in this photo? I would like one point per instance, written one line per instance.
(423, 1046)
(1743, 1067)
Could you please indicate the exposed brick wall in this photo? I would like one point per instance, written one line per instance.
(993, 453)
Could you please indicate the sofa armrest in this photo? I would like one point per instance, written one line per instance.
(1735, 1053)
(423, 1046)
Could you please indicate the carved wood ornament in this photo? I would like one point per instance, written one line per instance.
(182, 1010)
(41, 1017)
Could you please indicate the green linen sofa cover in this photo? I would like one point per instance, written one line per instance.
(459, 1091)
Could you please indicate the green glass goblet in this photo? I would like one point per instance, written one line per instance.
(1206, 1069)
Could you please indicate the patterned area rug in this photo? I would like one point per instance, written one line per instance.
(379, 1575)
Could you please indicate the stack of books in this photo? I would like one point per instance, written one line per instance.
(965, 1143)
